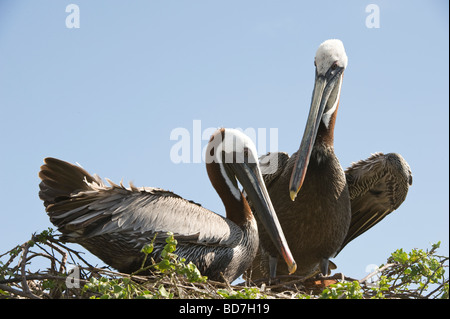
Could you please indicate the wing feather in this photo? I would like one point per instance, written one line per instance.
(377, 187)
(89, 208)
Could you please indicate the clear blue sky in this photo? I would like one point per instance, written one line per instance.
(109, 94)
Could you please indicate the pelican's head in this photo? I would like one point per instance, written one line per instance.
(329, 53)
(330, 62)
(231, 156)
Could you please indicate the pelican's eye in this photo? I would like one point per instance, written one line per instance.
(334, 66)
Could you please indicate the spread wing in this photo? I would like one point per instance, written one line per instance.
(377, 187)
(82, 206)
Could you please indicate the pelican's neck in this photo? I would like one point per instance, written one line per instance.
(236, 206)
(325, 133)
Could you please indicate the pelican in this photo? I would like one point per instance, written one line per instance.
(114, 222)
(320, 207)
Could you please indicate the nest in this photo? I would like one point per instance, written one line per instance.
(67, 275)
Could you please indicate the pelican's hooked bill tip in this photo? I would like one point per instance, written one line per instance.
(293, 195)
(292, 268)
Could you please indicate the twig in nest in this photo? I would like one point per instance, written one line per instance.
(226, 281)
(23, 263)
(18, 292)
(375, 272)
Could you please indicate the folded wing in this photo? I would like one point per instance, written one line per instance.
(377, 187)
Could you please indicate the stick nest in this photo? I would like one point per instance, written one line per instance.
(67, 275)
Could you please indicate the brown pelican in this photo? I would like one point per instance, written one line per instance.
(320, 207)
(114, 222)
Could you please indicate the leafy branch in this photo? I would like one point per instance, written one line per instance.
(418, 274)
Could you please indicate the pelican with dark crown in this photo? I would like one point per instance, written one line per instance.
(114, 222)
(320, 207)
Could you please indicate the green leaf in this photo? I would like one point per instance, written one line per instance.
(164, 293)
(147, 249)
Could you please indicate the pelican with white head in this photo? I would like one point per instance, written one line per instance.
(330, 61)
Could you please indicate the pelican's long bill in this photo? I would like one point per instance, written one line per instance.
(323, 87)
(249, 175)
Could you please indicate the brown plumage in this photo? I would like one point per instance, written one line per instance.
(329, 208)
(316, 223)
(114, 222)
(377, 187)
(310, 193)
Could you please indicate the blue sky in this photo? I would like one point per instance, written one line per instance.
(108, 95)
